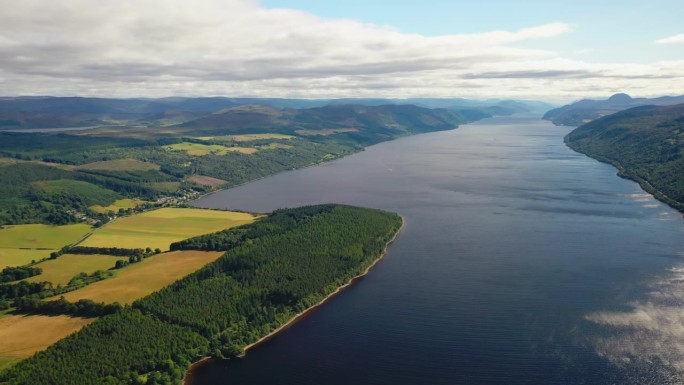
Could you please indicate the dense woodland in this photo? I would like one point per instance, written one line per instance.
(273, 269)
(646, 144)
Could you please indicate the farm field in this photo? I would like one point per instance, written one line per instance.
(20, 257)
(61, 270)
(140, 279)
(160, 228)
(118, 204)
(120, 165)
(325, 132)
(196, 149)
(21, 336)
(250, 137)
(41, 236)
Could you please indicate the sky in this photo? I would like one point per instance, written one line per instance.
(544, 50)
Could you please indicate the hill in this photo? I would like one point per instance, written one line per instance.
(645, 143)
(587, 110)
(47, 112)
(383, 121)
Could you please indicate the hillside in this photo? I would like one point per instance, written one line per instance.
(645, 143)
(47, 112)
(377, 122)
(587, 110)
(58, 178)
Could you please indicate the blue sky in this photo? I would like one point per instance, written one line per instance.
(604, 30)
(546, 50)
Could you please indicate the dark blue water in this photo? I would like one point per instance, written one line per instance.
(521, 262)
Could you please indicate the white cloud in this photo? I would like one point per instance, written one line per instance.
(676, 39)
(239, 48)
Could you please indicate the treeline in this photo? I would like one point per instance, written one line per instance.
(116, 349)
(82, 308)
(10, 274)
(275, 268)
(116, 251)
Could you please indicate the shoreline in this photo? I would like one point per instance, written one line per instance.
(301, 315)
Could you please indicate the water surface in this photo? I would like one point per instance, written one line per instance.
(521, 262)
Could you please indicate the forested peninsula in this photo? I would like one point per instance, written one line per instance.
(646, 144)
(272, 270)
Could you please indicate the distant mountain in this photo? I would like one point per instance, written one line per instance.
(353, 120)
(645, 143)
(59, 112)
(587, 110)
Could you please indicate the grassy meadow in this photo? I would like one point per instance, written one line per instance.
(160, 228)
(197, 149)
(41, 236)
(21, 257)
(126, 203)
(120, 165)
(61, 270)
(140, 279)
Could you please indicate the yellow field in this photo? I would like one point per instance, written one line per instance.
(20, 257)
(59, 271)
(21, 336)
(160, 228)
(120, 165)
(41, 236)
(250, 137)
(140, 279)
(119, 204)
(196, 149)
(325, 132)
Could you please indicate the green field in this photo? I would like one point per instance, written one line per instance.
(20, 257)
(250, 137)
(197, 149)
(118, 204)
(120, 165)
(88, 193)
(41, 236)
(140, 279)
(160, 228)
(61, 270)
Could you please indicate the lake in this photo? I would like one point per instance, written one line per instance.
(521, 262)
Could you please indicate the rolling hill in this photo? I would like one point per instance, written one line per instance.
(646, 144)
(587, 110)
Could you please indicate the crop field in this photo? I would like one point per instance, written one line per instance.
(160, 228)
(41, 236)
(250, 137)
(20, 257)
(118, 204)
(21, 336)
(196, 149)
(120, 165)
(140, 279)
(273, 146)
(326, 132)
(60, 271)
(207, 180)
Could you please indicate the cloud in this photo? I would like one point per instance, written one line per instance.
(240, 48)
(676, 39)
(651, 333)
